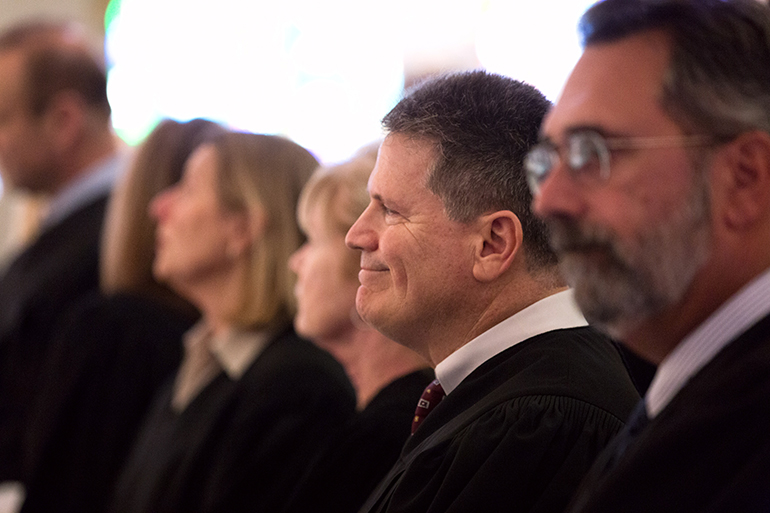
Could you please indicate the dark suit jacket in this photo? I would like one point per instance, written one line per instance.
(518, 434)
(239, 446)
(45, 279)
(105, 365)
(708, 450)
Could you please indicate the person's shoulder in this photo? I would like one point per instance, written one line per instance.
(522, 446)
(86, 219)
(60, 264)
(124, 314)
(554, 354)
(577, 364)
(581, 352)
(140, 310)
(389, 414)
(589, 337)
(288, 350)
(401, 393)
(298, 367)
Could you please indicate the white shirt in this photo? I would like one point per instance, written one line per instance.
(558, 311)
(206, 355)
(86, 188)
(736, 315)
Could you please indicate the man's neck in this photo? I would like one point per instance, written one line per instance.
(656, 337)
(379, 361)
(511, 299)
(555, 312)
(84, 158)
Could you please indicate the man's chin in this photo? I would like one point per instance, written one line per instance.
(364, 305)
(614, 307)
(374, 312)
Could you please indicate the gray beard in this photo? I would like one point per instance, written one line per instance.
(619, 284)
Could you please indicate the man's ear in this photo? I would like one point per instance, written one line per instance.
(741, 180)
(499, 240)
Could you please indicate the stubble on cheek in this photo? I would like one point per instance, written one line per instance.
(601, 271)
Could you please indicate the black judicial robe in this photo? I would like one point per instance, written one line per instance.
(37, 287)
(362, 452)
(707, 451)
(518, 434)
(239, 446)
(105, 365)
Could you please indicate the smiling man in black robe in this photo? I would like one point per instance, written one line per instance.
(455, 266)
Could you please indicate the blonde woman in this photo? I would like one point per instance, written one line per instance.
(251, 402)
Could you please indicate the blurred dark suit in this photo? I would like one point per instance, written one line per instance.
(240, 445)
(723, 407)
(38, 286)
(104, 367)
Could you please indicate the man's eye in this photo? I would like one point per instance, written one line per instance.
(580, 152)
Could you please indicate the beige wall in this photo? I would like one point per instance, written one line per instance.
(88, 12)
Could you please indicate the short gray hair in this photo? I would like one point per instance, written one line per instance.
(481, 126)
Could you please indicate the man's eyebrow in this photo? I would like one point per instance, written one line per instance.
(377, 197)
(388, 202)
(576, 129)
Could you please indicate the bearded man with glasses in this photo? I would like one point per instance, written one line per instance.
(653, 173)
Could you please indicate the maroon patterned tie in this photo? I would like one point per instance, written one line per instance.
(431, 396)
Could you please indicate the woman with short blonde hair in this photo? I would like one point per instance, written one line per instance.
(388, 377)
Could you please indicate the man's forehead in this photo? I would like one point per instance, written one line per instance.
(401, 160)
(12, 84)
(11, 64)
(616, 85)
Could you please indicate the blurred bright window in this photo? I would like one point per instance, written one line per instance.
(321, 72)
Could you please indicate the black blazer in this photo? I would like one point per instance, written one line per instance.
(361, 452)
(40, 284)
(518, 434)
(239, 446)
(708, 450)
(105, 365)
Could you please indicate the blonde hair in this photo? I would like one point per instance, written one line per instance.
(128, 240)
(340, 195)
(263, 175)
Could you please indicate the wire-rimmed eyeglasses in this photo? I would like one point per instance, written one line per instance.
(587, 154)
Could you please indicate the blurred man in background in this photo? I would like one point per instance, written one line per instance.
(55, 139)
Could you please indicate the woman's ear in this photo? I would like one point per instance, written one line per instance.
(246, 228)
(499, 239)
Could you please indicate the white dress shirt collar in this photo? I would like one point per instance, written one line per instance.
(558, 311)
(207, 355)
(736, 315)
(234, 350)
